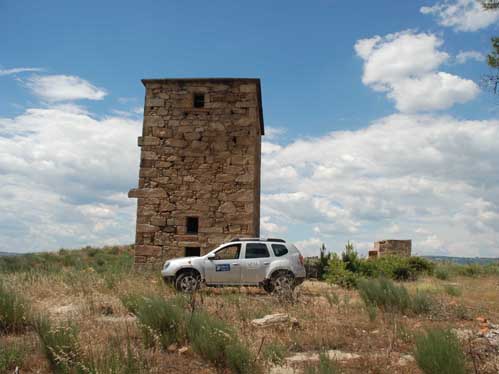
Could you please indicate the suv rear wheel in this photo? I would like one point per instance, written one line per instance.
(187, 281)
(283, 282)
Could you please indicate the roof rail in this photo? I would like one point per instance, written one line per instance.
(257, 240)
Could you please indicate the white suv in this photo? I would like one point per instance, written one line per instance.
(268, 263)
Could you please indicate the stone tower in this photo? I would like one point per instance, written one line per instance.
(199, 181)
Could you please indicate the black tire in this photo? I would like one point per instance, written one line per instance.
(187, 282)
(268, 287)
(283, 282)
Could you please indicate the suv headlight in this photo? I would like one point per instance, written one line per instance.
(167, 263)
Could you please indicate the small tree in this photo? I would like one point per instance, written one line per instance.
(323, 261)
(491, 81)
(351, 258)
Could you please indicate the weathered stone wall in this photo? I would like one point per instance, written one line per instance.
(393, 247)
(198, 162)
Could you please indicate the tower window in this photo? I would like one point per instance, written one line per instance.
(198, 100)
(192, 251)
(192, 225)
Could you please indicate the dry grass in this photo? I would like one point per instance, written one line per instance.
(91, 300)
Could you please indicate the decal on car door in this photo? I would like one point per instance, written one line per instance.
(222, 267)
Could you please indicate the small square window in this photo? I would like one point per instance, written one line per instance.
(192, 251)
(192, 225)
(198, 100)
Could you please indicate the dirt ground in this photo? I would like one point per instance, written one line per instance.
(325, 318)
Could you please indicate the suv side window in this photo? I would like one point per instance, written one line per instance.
(279, 249)
(256, 250)
(231, 252)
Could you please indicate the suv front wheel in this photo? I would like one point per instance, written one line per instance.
(187, 282)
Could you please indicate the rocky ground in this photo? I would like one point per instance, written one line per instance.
(285, 336)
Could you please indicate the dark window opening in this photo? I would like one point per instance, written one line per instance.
(192, 225)
(256, 250)
(192, 251)
(279, 249)
(198, 100)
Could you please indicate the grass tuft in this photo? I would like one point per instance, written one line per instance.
(438, 352)
(14, 314)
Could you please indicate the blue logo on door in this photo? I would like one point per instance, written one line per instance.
(222, 267)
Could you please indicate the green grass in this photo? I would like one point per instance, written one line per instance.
(438, 352)
(274, 353)
(161, 321)
(215, 341)
(325, 366)
(12, 355)
(385, 295)
(452, 290)
(60, 345)
(107, 260)
(14, 313)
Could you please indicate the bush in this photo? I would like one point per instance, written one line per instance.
(452, 290)
(161, 321)
(215, 341)
(438, 352)
(385, 295)
(422, 303)
(274, 353)
(326, 366)
(14, 315)
(442, 273)
(118, 357)
(338, 274)
(60, 345)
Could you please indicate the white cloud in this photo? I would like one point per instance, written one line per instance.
(269, 228)
(272, 133)
(55, 88)
(13, 71)
(418, 177)
(464, 56)
(462, 15)
(65, 175)
(404, 65)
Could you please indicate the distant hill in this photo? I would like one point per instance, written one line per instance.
(9, 254)
(464, 260)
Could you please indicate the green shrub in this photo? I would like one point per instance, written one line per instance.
(60, 345)
(12, 355)
(385, 295)
(325, 366)
(422, 303)
(438, 352)
(118, 357)
(338, 274)
(420, 265)
(442, 273)
(215, 341)
(452, 290)
(274, 353)
(14, 314)
(161, 321)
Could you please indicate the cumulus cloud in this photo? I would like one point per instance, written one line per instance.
(13, 71)
(65, 175)
(464, 56)
(461, 15)
(429, 178)
(53, 88)
(404, 65)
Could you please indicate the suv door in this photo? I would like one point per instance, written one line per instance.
(257, 258)
(225, 268)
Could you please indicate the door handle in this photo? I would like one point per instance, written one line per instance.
(235, 264)
(266, 263)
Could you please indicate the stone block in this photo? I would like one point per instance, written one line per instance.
(147, 250)
(147, 228)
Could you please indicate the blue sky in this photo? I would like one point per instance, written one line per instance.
(399, 133)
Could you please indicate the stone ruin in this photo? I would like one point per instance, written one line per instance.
(391, 248)
(199, 180)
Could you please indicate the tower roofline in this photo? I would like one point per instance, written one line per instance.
(146, 82)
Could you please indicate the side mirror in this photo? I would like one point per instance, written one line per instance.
(212, 257)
